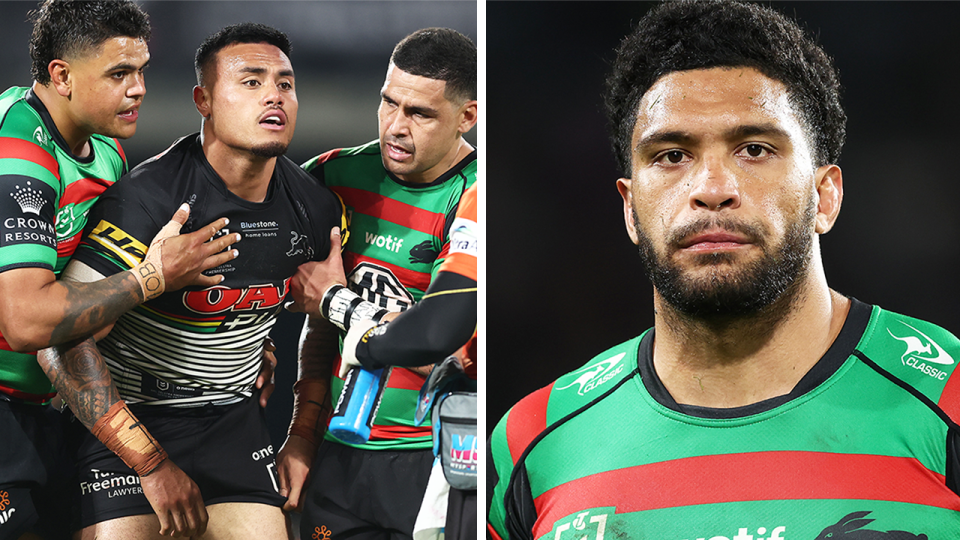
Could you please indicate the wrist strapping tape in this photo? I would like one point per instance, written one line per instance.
(121, 432)
(311, 410)
(343, 307)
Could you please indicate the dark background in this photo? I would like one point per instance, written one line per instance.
(565, 283)
(340, 55)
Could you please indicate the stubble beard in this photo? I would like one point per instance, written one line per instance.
(269, 150)
(765, 288)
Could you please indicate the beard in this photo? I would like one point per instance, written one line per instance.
(731, 292)
(269, 150)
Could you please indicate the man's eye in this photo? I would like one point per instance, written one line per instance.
(755, 150)
(673, 156)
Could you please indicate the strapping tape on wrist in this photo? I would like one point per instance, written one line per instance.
(311, 410)
(121, 432)
(343, 307)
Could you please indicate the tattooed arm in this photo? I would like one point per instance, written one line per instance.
(84, 382)
(319, 344)
(37, 310)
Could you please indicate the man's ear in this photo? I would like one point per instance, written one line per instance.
(61, 77)
(201, 98)
(829, 180)
(468, 116)
(623, 186)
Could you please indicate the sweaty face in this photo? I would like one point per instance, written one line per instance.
(251, 102)
(723, 199)
(419, 127)
(108, 87)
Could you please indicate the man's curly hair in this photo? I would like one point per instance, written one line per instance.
(696, 34)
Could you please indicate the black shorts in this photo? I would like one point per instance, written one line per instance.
(461, 515)
(35, 471)
(364, 494)
(225, 449)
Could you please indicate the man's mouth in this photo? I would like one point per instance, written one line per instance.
(397, 153)
(275, 119)
(130, 115)
(714, 241)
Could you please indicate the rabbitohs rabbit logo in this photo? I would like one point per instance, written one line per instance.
(849, 528)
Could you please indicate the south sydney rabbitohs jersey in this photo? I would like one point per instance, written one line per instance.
(400, 234)
(865, 447)
(45, 194)
(197, 346)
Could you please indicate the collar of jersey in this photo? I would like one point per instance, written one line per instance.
(828, 365)
(51, 126)
(452, 172)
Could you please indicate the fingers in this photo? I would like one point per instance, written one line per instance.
(179, 525)
(182, 213)
(166, 527)
(270, 346)
(335, 246)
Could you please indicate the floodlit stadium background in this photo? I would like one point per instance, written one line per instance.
(565, 282)
(340, 55)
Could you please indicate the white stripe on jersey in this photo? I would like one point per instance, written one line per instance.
(224, 364)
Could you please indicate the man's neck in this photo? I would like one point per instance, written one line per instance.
(740, 362)
(245, 175)
(75, 137)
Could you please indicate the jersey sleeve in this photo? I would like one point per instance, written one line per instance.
(29, 197)
(118, 230)
(462, 253)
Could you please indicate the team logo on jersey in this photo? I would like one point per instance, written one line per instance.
(5, 509)
(298, 245)
(379, 285)
(41, 136)
(321, 533)
(923, 351)
(851, 526)
(29, 199)
(595, 375)
(424, 252)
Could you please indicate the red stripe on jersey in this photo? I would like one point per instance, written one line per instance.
(758, 476)
(526, 420)
(492, 533)
(11, 147)
(65, 248)
(409, 216)
(411, 279)
(950, 397)
(327, 156)
(398, 432)
(123, 156)
(34, 398)
(83, 190)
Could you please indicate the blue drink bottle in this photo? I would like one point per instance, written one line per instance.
(358, 404)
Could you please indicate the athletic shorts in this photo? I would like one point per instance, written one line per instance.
(364, 494)
(225, 449)
(35, 471)
(461, 515)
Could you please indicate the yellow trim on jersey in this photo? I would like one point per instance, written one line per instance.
(451, 291)
(127, 248)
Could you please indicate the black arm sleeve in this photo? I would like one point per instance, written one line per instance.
(428, 332)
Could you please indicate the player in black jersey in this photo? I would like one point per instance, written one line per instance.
(187, 362)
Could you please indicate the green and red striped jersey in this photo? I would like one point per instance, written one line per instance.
(866, 444)
(45, 194)
(399, 236)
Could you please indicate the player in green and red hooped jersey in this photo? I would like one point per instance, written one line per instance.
(58, 153)
(402, 192)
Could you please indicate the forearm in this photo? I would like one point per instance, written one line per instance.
(319, 344)
(81, 377)
(37, 315)
(428, 332)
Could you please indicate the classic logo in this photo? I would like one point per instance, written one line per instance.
(923, 351)
(850, 525)
(29, 199)
(321, 533)
(4, 503)
(593, 376)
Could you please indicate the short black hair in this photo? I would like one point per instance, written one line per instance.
(64, 29)
(237, 33)
(442, 54)
(692, 34)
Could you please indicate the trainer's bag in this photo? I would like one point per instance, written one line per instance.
(455, 438)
